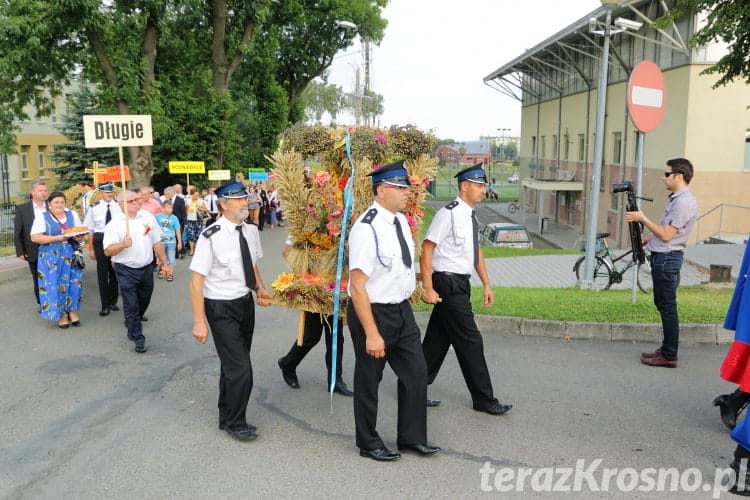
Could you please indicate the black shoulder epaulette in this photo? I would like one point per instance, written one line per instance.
(94, 204)
(210, 230)
(452, 205)
(370, 216)
(251, 222)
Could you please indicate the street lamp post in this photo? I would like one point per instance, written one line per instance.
(588, 271)
(503, 132)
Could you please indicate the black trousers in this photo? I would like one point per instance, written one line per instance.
(452, 323)
(136, 287)
(402, 351)
(35, 279)
(232, 323)
(261, 217)
(315, 324)
(105, 273)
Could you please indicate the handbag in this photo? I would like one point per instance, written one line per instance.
(77, 260)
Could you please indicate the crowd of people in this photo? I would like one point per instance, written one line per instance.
(51, 236)
(220, 228)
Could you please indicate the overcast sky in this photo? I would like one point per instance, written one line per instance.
(435, 53)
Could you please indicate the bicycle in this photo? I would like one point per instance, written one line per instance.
(606, 272)
(513, 206)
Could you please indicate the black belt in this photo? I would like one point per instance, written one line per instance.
(453, 275)
(667, 253)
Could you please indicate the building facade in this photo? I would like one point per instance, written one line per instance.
(465, 153)
(35, 142)
(557, 81)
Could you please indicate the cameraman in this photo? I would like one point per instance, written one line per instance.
(667, 245)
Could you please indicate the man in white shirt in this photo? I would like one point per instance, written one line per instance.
(131, 241)
(97, 217)
(381, 281)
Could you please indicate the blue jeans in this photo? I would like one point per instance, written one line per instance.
(665, 271)
(169, 249)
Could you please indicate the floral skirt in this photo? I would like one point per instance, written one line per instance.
(60, 284)
(193, 229)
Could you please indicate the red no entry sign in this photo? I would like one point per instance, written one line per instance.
(646, 96)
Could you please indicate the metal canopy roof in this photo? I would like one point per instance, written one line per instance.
(560, 55)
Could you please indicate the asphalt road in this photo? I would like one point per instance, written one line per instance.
(83, 416)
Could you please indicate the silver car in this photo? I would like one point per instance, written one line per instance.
(505, 234)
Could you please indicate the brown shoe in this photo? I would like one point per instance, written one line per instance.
(651, 354)
(659, 360)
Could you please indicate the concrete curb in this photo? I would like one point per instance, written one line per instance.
(690, 333)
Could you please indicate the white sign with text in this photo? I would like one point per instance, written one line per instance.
(112, 131)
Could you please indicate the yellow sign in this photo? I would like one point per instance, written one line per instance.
(187, 167)
(219, 175)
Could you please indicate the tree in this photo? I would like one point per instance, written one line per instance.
(510, 151)
(320, 97)
(311, 34)
(728, 21)
(372, 106)
(73, 157)
(184, 82)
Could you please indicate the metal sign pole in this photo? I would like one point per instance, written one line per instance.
(638, 193)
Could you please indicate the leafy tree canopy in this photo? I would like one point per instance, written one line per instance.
(728, 21)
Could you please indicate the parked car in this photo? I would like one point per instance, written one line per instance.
(505, 234)
(513, 179)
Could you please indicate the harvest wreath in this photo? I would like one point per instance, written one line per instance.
(311, 171)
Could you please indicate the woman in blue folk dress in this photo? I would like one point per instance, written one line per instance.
(60, 283)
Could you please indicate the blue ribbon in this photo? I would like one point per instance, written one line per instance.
(348, 200)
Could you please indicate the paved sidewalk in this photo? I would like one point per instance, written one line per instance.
(563, 236)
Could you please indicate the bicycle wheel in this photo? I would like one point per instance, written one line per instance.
(512, 207)
(602, 273)
(645, 281)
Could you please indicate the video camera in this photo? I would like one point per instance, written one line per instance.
(636, 228)
(621, 187)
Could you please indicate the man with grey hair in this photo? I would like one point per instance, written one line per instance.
(131, 240)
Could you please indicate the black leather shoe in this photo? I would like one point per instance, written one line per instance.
(140, 349)
(727, 410)
(432, 403)
(144, 318)
(249, 427)
(242, 434)
(114, 307)
(381, 454)
(290, 377)
(104, 311)
(422, 449)
(494, 408)
(343, 389)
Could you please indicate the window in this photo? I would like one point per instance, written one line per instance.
(566, 146)
(555, 148)
(617, 147)
(747, 151)
(543, 147)
(40, 156)
(581, 147)
(24, 162)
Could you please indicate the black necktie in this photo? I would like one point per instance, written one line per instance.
(247, 260)
(475, 236)
(405, 255)
(213, 209)
(108, 217)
